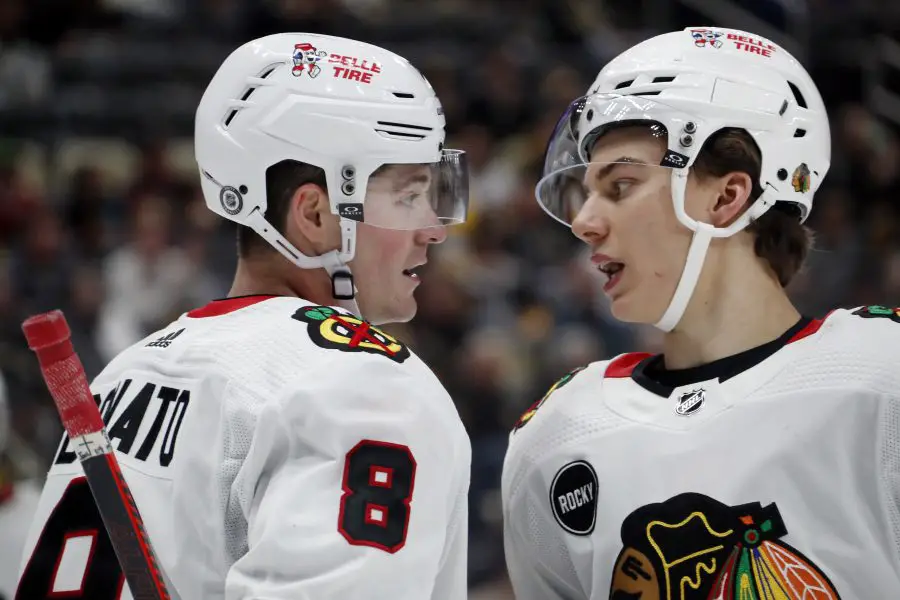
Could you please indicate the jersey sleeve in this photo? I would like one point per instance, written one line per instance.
(889, 459)
(355, 487)
(537, 556)
(872, 334)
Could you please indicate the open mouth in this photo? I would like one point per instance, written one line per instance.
(411, 273)
(613, 271)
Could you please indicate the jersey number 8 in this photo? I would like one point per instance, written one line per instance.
(378, 486)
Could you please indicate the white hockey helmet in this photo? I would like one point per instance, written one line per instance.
(696, 82)
(342, 105)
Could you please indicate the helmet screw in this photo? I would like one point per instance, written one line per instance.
(348, 188)
(348, 172)
(690, 127)
(782, 174)
(686, 140)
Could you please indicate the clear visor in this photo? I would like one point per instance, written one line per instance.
(588, 118)
(416, 196)
(575, 167)
(564, 193)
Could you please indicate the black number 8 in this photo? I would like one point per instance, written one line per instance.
(75, 516)
(378, 486)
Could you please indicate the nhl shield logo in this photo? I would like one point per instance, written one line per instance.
(690, 403)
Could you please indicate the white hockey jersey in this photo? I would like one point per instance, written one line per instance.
(276, 450)
(770, 475)
(18, 501)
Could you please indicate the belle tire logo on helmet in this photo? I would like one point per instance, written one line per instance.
(231, 200)
(752, 45)
(353, 68)
(706, 38)
(306, 58)
(573, 497)
(710, 38)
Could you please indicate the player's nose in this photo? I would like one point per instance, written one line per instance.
(436, 234)
(591, 224)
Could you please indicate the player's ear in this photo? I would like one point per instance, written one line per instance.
(732, 198)
(309, 215)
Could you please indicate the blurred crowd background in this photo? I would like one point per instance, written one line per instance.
(101, 212)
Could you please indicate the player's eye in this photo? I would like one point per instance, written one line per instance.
(620, 187)
(409, 198)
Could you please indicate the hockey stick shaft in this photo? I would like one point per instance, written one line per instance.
(49, 336)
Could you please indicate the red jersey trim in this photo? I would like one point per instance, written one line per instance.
(6, 492)
(227, 305)
(810, 329)
(625, 364)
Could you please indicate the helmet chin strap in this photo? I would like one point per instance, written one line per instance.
(693, 265)
(343, 288)
(689, 276)
(696, 256)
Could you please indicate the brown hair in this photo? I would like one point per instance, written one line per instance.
(282, 180)
(781, 240)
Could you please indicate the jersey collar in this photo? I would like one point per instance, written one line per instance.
(223, 306)
(647, 370)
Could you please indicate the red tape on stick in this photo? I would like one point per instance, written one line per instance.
(48, 334)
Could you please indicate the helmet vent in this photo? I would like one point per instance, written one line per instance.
(401, 135)
(230, 116)
(249, 91)
(269, 70)
(665, 79)
(801, 101)
(800, 133)
(624, 84)
(405, 125)
(405, 131)
(404, 95)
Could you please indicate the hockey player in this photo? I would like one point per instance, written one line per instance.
(278, 444)
(758, 457)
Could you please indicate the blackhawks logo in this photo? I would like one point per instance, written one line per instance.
(333, 330)
(878, 312)
(528, 414)
(692, 547)
(800, 179)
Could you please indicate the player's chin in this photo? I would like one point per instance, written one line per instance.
(406, 309)
(629, 307)
(620, 310)
(401, 309)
